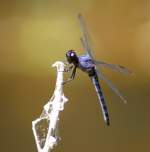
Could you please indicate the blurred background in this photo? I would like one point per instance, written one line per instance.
(36, 33)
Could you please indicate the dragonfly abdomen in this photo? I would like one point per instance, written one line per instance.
(100, 97)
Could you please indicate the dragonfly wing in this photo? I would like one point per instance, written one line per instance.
(85, 39)
(111, 85)
(114, 67)
(86, 45)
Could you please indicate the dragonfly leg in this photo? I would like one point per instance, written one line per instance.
(67, 69)
(72, 75)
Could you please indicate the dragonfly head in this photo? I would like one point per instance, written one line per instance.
(72, 57)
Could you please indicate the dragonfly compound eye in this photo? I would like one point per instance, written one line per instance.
(71, 56)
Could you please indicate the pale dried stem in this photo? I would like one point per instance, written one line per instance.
(46, 136)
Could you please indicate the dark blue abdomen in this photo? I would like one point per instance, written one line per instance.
(96, 83)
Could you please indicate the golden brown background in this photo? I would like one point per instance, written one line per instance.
(36, 33)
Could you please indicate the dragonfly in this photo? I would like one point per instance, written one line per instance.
(88, 64)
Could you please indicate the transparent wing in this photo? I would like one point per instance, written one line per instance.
(85, 38)
(114, 67)
(86, 45)
(111, 85)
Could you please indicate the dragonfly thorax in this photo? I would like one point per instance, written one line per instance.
(72, 57)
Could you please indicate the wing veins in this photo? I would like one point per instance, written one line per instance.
(114, 67)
